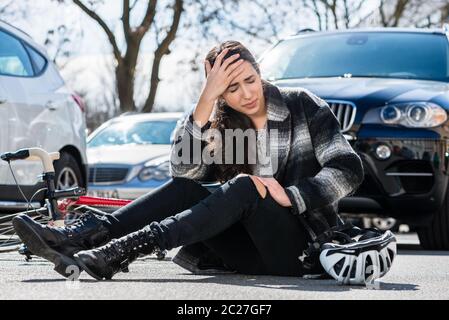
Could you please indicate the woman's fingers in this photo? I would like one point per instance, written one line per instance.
(208, 67)
(235, 73)
(228, 61)
(270, 183)
(233, 66)
(219, 59)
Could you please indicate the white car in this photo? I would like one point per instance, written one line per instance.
(36, 110)
(128, 155)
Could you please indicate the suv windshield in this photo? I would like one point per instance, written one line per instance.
(362, 54)
(123, 132)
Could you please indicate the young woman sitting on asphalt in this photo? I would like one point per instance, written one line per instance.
(251, 223)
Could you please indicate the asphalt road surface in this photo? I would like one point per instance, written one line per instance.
(416, 274)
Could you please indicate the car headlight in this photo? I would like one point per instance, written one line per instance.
(155, 172)
(412, 115)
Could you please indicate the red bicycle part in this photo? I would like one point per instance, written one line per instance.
(64, 204)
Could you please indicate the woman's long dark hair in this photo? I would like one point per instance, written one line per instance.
(226, 117)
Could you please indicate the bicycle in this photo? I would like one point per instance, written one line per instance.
(72, 203)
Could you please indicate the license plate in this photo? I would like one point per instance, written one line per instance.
(103, 193)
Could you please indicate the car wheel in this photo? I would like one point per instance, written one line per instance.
(67, 172)
(436, 235)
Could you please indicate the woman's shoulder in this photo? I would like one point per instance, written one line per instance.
(300, 99)
(300, 95)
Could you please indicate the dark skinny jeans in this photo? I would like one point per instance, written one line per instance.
(251, 234)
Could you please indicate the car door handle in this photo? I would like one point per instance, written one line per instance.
(51, 106)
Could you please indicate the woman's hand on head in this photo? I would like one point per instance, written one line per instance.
(220, 76)
(276, 191)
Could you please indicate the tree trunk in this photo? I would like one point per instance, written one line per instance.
(162, 50)
(125, 73)
(125, 87)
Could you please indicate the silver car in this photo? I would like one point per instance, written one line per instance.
(128, 156)
(36, 110)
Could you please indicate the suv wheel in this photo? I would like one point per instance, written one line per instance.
(436, 235)
(67, 172)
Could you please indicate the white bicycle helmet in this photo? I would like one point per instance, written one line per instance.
(362, 260)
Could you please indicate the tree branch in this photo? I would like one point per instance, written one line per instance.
(103, 24)
(163, 49)
(382, 14)
(125, 19)
(269, 17)
(149, 17)
(399, 11)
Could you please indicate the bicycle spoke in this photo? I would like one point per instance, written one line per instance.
(3, 231)
(9, 241)
(30, 213)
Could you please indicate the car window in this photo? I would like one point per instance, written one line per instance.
(147, 132)
(362, 54)
(38, 60)
(14, 59)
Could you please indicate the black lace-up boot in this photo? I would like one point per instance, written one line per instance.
(59, 244)
(102, 263)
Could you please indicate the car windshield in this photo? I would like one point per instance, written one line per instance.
(141, 133)
(365, 54)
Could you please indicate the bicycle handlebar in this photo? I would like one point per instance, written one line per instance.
(33, 154)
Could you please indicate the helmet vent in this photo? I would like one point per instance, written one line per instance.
(368, 267)
(345, 273)
(339, 265)
(353, 268)
(381, 264)
(391, 254)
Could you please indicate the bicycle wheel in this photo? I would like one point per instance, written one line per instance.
(9, 241)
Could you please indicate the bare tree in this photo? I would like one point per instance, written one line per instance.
(335, 14)
(126, 59)
(433, 14)
(409, 13)
(392, 18)
(255, 20)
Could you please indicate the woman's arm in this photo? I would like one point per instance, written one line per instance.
(186, 151)
(189, 143)
(342, 170)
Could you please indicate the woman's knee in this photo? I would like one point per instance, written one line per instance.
(261, 189)
(188, 184)
(184, 181)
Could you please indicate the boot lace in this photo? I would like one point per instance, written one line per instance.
(76, 226)
(127, 249)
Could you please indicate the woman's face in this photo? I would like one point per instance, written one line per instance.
(245, 93)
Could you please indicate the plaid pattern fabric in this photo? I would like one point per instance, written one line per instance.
(316, 164)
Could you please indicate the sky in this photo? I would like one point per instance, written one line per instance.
(91, 61)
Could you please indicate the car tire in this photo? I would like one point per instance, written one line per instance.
(67, 172)
(436, 235)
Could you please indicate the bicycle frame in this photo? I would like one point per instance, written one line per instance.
(61, 206)
(73, 200)
(48, 176)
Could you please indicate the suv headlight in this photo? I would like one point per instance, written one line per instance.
(155, 171)
(412, 115)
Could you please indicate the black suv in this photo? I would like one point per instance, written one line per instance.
(389, 88)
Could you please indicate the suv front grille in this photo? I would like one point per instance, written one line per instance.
(345, 112)
(107, 174)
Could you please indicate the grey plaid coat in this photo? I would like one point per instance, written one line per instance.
(317, 166)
